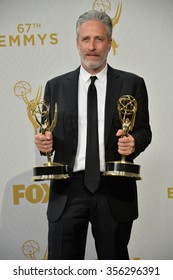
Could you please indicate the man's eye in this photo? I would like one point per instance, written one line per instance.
(99, 39)
(85, 39)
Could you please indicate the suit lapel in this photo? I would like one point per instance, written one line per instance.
(72, 100)
(112, 95)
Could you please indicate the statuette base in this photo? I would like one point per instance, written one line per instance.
(123, 169)
(49, 171)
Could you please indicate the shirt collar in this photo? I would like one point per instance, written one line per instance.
(101, 76)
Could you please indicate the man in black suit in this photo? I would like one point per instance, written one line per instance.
(110, 205)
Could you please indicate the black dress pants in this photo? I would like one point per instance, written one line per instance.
(67, 236)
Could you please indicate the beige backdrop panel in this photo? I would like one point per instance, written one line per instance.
(37, 42)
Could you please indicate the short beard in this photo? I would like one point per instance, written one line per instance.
(93, 65)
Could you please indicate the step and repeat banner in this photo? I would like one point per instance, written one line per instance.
(37, 43)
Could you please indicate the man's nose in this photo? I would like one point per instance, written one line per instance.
(92, 45)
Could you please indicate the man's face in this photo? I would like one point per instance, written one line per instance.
(93, 45)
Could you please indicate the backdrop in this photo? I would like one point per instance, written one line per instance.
(37, 43)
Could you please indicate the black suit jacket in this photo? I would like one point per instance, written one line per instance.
(63, 89)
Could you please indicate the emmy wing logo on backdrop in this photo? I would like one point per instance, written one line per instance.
(38, 114)
(106, 7)
(170, 192)
(31, 248)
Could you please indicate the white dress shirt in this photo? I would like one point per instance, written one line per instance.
(100, 83)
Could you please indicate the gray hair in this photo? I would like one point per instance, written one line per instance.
(100, 16)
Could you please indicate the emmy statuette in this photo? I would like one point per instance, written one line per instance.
(38, 114)
(127, 107)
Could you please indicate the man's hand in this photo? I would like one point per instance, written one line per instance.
(44, 142)
(126, 144)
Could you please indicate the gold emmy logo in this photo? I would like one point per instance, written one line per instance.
(21, 90)
(31, 248)
(104, 5)
(170, 192)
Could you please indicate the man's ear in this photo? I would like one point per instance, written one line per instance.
(110, 45)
